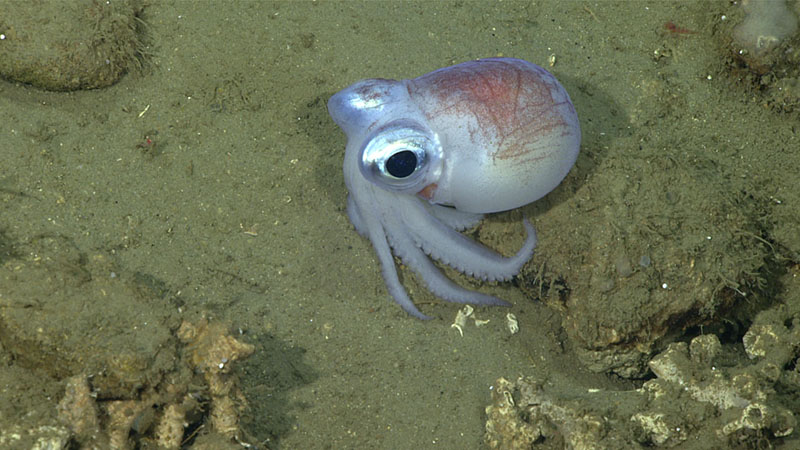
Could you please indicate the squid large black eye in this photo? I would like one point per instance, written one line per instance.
(401, 164)
(402, 156)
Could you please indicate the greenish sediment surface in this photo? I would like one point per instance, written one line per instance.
(208, 188)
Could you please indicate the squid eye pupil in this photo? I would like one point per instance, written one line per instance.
(401, 164)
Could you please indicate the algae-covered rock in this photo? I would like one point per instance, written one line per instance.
(670, 245)
(65, 46)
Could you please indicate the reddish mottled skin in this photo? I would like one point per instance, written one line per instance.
(377, 89)
(428, 191)
(514, 102)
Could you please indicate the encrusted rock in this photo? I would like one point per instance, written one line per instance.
(506, 428)
(521, 414)
(705, 348)
(78, 410)
(159, 414)
(690, 400)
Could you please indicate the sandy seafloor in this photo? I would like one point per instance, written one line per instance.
(241, 210)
